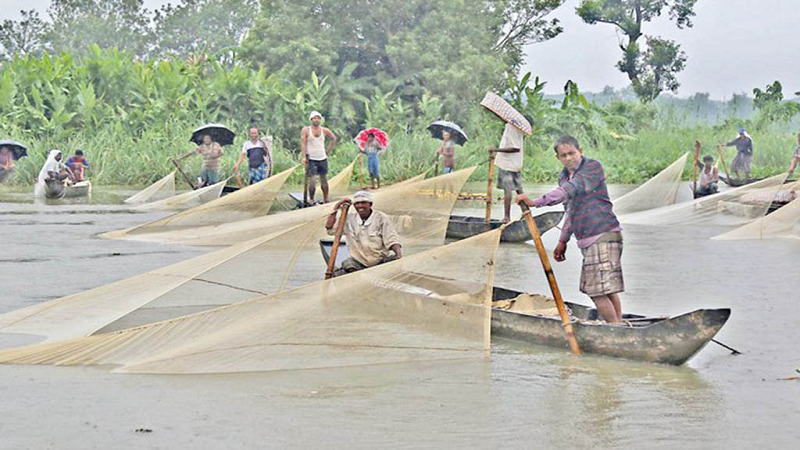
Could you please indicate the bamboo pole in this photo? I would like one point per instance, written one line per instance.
(551, 278)
(305, 184)
(337, 239)
(694, 169)
(722, 159)
(489, 190)
(185, 177)
(361, 169)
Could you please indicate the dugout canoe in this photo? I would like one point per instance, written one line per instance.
(56, 189)
(462, 227)
(736, 182)
(663, 340)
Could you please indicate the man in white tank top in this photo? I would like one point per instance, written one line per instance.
(315, 156)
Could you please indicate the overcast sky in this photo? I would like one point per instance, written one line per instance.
(734, 46)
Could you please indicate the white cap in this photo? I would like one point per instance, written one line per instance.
(314, 114)
(362, 196)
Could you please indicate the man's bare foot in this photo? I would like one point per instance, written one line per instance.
(505, 220)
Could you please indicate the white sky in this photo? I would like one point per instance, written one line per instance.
(735, 45)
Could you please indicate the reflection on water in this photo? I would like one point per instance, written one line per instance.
(522, 396)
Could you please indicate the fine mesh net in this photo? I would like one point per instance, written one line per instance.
(413, 309)
(252, 201)
(733, 207)
(421, 210)
(186, 200)
(661, 190)
(339, 185)
(161, 189)
(782, 223)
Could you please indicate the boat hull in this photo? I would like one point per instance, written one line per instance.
(462, 227)
(735, 182)
(54, 189)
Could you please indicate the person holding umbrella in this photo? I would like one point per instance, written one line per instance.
(315, 156)
(372, 142)
(209, 139)
(450, 134)
(9, 152)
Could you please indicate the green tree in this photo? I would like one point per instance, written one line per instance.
(22, 37)
(770, 104)
(453, 49)
(77, 24)
(198, 27)
(652, 70)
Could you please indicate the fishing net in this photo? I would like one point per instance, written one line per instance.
(733, 207)
(339, 185)
(275, 260)
(413, 309)
(661, 190)
(252, 201)
(421, 209)
(186, 200)
(784, 222)
(162, 188)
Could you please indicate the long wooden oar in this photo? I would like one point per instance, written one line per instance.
(185, 177)
(551, 278)
(694, 169)
(489, 191)
(337, 239)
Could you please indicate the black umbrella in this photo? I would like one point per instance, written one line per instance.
(456, 133)
(19, 150)
(218, 132)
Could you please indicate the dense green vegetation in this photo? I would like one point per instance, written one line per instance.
(63, 84)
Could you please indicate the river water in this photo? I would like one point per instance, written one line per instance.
(521, 397)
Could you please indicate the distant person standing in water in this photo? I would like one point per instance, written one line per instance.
(448, 152)
(796, 158)
(744, 154)
(314, 154)
(6, 163)
(259, 157)
(373, 148)
(590, 217)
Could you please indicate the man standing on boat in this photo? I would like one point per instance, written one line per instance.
(582, 188)
(509, 166)
(744, 154)
(371, 236)
(259, 157)
(315, 156)
(795, 157)
(212, 154)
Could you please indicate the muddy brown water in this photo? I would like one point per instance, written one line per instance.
(521, 397)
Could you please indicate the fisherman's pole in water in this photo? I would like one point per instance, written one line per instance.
(551, 278)
(185, 177)
(337, 239)
(305, 184)
(722, 160)
(489, 191)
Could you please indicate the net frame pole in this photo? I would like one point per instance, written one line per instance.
(185, 177)
(694, 168)
(305, 184)
(488, 218)
(337, 238)
(722, 159)
(361, 170)
(551, 279)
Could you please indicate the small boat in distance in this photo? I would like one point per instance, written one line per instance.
(57, 189)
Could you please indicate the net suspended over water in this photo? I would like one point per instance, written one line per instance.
(782, 223)
(252, 201)
(413, 309)
(271, 262)
(733, 207)
(422, 209)
(661, 190)
(161, 189)
(186, 200)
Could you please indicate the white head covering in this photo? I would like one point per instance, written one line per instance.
(315, 114)
(362, 196)
(51, 165)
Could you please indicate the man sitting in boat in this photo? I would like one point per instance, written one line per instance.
(371, 235)
(54, 169)
(709, 177)
(582, 187)
(78, 164)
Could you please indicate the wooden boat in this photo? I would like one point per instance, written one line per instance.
(462, 227)
(736, 182)
(56, 189)
(665, 340)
